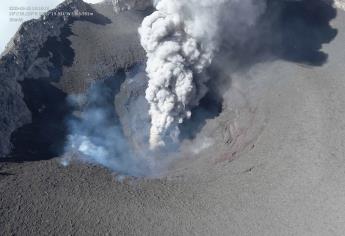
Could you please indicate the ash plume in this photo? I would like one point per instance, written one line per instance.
(195, 52)
(180, 39)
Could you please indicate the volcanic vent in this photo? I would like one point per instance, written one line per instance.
(136, 86)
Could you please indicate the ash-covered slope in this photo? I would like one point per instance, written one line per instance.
(56, 55)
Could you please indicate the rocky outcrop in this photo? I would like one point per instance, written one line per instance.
(17, 61)
(14, 112)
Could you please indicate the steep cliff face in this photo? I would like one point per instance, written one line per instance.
(63, 52)
(14, 112)
(17, 62)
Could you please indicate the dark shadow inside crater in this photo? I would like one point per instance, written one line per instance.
(5, 174)
(45, 137)
(209, 107)
(52, 113)
(59, 52)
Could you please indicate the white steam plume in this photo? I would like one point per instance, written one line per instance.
(180, 39)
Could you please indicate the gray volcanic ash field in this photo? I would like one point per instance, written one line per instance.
(144, 119)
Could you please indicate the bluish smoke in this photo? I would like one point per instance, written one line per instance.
(96, 135)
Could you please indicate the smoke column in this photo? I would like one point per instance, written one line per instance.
(180, 39)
